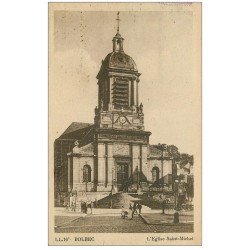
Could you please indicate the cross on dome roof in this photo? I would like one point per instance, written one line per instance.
(118, 21)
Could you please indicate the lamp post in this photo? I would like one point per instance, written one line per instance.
(176, 193)
(174, 172)
(162, 177)
(138, 178)
(139, 191)
(58, 184)
(75, 199)
(86, 179)
(112, 190)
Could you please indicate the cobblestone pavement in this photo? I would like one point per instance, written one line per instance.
(114, 224)
(166, 218)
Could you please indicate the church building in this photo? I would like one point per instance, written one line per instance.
(114, 152)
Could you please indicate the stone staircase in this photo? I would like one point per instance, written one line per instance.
(119, 200)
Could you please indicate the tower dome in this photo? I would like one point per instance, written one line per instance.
(119, 60)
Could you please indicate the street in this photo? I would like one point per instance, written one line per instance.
(114, 224)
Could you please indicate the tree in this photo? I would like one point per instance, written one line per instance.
(173, 151)
(184, 159)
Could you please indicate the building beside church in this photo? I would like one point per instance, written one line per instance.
(114, 152)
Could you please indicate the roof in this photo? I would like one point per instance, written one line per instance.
(119, 60)
(75, 126)
(118, 35)
(153, 151)
(87, 149)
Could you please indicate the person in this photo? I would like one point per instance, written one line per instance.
(84, 207)
(130, 207)
(123, 213)
(72, 206)
(139, 206)
(91, 206)
(176, 217)
(141, 108)
(134, 209)
(96, 110)
(81, 207)
(130, 215)
(167, 203)
(163, 206)
(67, 207)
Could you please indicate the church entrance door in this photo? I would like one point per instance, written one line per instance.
(122, 177)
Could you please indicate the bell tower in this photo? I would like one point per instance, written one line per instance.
(118, 90)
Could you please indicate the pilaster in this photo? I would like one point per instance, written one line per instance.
(101, 164)
(110, 162)
(69, 174)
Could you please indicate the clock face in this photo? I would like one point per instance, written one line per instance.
(122, 119)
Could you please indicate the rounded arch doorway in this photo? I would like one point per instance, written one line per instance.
(155, 174)
(86, 175)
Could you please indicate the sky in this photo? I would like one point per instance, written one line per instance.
(162, 46)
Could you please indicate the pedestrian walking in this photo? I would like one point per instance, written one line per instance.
(163, 206)
(139, 206)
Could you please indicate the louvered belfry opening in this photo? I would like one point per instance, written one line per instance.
(121, 93)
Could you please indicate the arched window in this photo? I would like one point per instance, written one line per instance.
(155, 174)
(86, 173)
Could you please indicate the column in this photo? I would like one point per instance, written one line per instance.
(106, 94)
(140, 161)
(135, 94)
(101, 164)
(106, 164)
(130, 174)
(144, 154)
(132, 93)
(76, 176)
(111, 164)
(129, 92)
(69, 174)
(135, 161)
(100, 93)
(111, 80)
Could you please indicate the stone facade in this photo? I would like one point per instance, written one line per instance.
(119, 156)
(131, 162)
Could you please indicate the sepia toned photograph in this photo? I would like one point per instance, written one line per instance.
(125, 124)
